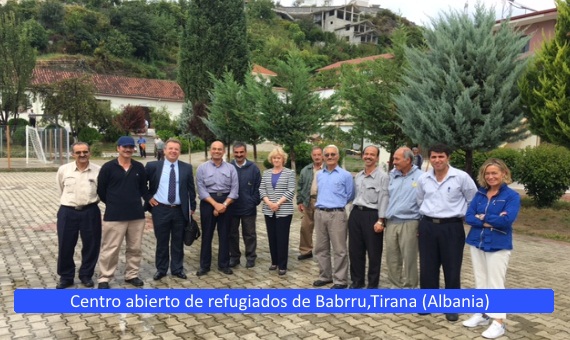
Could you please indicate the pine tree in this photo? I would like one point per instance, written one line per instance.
(462, 90)
(545, 87)
(291, 117)
(213, 41)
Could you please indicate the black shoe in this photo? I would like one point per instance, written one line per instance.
(356, 286)
(103, 285)
(135, 281)
(62, 284)
(337, 286)
(158, 275)
(202, 272)
(250, 264)
(452, 316)
(234, 263)
(180, 275)
(87, 282)
(282, 271)
(227, 270)
(320, 283)
(273, 267)
(305, 256)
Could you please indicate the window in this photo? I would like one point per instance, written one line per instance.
(526, 47)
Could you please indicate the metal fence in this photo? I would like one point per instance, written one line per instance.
(27, 147)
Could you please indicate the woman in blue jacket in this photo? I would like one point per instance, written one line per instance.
(491, 215)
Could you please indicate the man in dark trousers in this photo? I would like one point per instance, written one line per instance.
(244, 209)
(78, 214)
(366, 221)
(121, 186)
(218, 187)
(171, 199)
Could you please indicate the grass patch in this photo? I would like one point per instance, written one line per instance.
(552, 223)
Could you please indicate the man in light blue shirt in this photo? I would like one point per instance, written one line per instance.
(336, 190)
(218, 187)
(403, 217)
(443, 195)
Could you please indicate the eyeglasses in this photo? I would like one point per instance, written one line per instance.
(330, 154)
(81, 152)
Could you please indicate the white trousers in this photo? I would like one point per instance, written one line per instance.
(490, 271)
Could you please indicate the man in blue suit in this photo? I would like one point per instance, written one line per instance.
(171, 200)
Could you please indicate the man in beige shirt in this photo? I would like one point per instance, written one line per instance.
(78, 215)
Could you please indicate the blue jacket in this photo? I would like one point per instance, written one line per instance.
(500, 212)
(249, 181)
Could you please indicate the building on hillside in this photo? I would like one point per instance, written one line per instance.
(349, 22)
(540, 26)
(117, 92)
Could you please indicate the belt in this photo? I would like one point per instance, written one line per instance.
(169, 205)
(219, 193)
(443, 220)
(331, 209)
(80, 207)
(359, 207)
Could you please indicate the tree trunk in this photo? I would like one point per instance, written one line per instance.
(469, 161)
(292, 156)
(255, 152)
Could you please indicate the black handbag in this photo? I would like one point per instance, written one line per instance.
(191, 232)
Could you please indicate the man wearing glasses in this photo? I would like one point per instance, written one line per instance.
(336, 190)
(78, 214)
(121, 185)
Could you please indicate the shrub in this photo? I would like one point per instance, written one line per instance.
(198, 144)
(458, 161)
(89, 135)
(96, 149)
(544, 173)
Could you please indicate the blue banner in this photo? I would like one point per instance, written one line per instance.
(284, 301)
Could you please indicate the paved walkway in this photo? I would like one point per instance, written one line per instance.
(28, 249)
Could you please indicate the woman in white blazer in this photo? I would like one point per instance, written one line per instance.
(277, 190)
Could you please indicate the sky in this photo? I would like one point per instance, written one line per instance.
(419, 11)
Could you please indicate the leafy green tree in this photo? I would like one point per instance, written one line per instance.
(544, 87)
(73, 101)
(17, 62)
(289, 118)
(51, 15)
(261, 9)
(37, 34)
(368, 91)
(211, 44)
(462, 90)
(234, 112)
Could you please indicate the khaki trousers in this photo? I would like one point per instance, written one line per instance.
(402, 253)
(307, 226)
(331, 230)
(113, 235)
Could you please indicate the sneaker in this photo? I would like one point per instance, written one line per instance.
(475, 320)
(494, 331)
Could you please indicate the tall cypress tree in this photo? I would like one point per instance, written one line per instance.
(545, 87)
(213, 41)
(462, 90)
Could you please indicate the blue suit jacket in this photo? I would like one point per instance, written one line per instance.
(187, 188)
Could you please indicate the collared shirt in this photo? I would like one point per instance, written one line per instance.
(372, 191)
(336, 188)
(219, 179)
(76, 187)
(403, 189)
(447, 199)
(162, 191)
(240, 166)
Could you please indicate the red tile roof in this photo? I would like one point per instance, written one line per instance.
(356, 61)
(262, 70)
(116, 86)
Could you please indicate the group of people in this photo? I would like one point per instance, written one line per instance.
(409, 212)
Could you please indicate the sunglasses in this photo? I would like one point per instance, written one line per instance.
(81, 152)
(330, 154)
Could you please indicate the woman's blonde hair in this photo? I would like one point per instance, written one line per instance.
(277, 152)
(499, 164)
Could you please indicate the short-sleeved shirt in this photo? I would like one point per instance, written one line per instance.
(77, 187)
